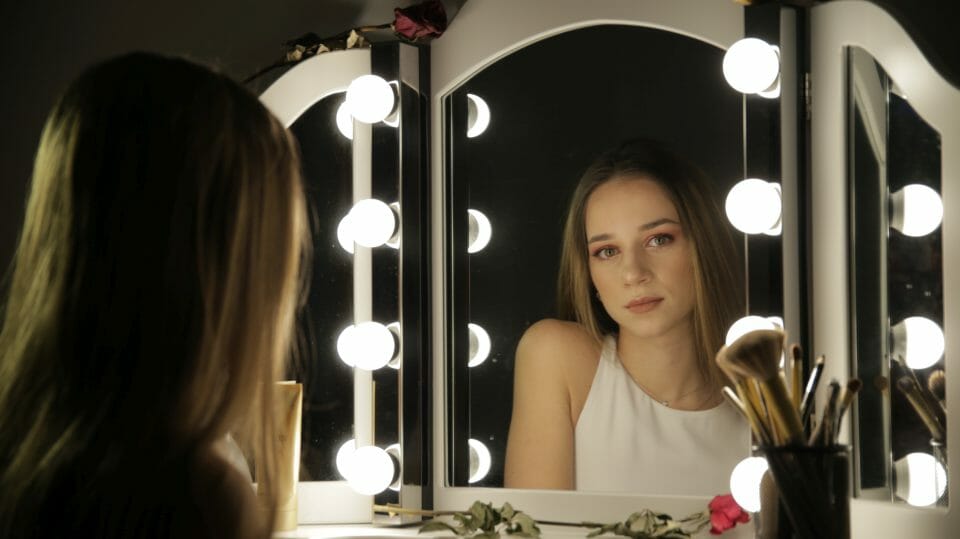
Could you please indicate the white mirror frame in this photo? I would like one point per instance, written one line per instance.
(834, 26)
(322, 502)
(467, 47)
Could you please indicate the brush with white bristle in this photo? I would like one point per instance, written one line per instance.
(757, 355)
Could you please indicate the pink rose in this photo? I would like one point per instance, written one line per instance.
(725, 514)
(423, 20)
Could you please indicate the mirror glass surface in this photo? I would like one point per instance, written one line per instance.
(896, 275)
(327, 381)
(553, 107)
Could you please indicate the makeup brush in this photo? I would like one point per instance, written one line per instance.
(937, 384)
(930, 403)
(821, 435)
(748, 398)
(759, 429)
(910, 388)
(806, 405)
(846, 397)
(757, 355)
(796, 376)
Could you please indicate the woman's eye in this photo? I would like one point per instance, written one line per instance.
(660, 240)
(605, 252)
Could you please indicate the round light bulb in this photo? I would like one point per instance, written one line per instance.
(750, 323)
(753, 206)
(918, 341)
(371, 223)
(920, 479)
(369, 99)
(479, 345)
(344, 120)
(751, 65)
(479, 232)
(916, 210)
(745, 482)
(344, 454)
(479, 460)
(370, 470)
(367, 345)
(478, 115)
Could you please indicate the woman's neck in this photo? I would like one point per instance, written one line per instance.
(666, 368)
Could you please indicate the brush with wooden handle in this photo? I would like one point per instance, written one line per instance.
(846, 398)
(796, 376)
(757, 355)
(910, 388)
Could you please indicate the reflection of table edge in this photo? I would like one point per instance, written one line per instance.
(366, 531)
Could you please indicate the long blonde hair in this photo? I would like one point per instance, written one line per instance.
(154, 285)
(715, 257)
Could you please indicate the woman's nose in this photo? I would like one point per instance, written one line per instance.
(635, 269)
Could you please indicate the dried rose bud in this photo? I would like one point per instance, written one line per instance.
(425, 20)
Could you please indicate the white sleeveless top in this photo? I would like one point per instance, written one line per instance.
(628, 442)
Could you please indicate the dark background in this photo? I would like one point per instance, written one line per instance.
(44, 44)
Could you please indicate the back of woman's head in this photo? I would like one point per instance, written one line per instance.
(715, 258)
(153, 287)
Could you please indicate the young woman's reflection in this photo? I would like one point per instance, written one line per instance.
(623, 393)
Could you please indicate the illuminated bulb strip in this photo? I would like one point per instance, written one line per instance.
(750, 323)
(478, 115)
(921, 479)
(916, 210)
(479, 232)
(479, 345)
(918, 342)
(754, 206)
(479, 460)
(745, 482)
(367, 345)
(370, 99)
(752, 66)
(370, 470)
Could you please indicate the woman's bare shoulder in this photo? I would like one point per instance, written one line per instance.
(559, 343)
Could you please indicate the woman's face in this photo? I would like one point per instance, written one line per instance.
(640, 257)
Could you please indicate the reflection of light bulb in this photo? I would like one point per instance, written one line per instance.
(394, 240)
(343, 457)
(479, 345)
(745, 482)
(479, 460)
(369, 98)
(370, 470)
(393, 450)
(480, 231)
(920, 479)
(344, 234)
(749, 323)
(367, 345)
(918, 341)
(751, 65)
(394, 362)
(371, 223)
(753, 206)
(916, 210)
(478, 115)
(345, 121)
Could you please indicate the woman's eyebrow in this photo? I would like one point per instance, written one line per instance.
(658, 222)
(646, 226)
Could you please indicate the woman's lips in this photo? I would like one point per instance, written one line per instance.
(642, 305)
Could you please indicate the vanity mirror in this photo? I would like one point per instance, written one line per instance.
(520, 116)
(896, 287)
(361, 330)
(882, 119)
